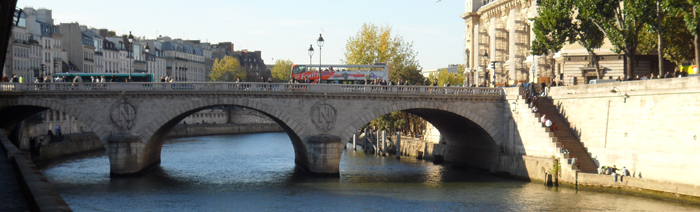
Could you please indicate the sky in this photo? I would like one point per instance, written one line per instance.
(279, 29)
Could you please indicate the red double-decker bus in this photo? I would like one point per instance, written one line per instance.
(340, 74)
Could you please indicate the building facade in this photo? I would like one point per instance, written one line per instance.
(498, 40)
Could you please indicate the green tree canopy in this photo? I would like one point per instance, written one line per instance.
(675, 38)
(373, 44)
(227, 70)
(443, 76)
(282, 70)
(558, 23)
(622, 21)
(692, 22)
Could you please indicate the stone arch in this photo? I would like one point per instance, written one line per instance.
(16, 110)
(153, 136)
(484, 123)
(474, 140)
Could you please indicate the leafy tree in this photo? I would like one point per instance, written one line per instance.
(676, 47)
(406, 123)
(557, 23)
(227, 70)
(622, 21)
(373, 44)
(443, 76)
(282, 70)
(692, 22)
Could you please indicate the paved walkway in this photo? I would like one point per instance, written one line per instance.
(11, 196)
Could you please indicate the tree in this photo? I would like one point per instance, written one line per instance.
(227, 70)
(373, 44)
(557, 23)
(622, 21)
(443, 76)
(676, 47)
(692, 22)
(282, 70)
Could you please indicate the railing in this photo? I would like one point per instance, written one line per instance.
(252, 87)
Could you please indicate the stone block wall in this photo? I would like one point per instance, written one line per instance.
(73, 144)
(222, 129)
(650, 126)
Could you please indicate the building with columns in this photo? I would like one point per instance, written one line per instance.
(498, 40)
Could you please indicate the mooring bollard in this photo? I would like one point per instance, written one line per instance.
(398, 145)
(354, 147)
(383, 142)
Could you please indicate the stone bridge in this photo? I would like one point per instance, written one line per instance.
(133, 119)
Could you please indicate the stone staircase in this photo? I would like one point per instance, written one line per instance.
(565, 136)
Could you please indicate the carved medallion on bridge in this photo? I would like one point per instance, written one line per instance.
(123, 114)
(323, 115)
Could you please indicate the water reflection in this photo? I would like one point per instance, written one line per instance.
(256, 172)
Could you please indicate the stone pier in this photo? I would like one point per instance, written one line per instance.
(324, 153)
(126, 155)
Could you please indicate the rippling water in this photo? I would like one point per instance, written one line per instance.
(256, 172)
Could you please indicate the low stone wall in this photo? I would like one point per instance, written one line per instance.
(222, 129)
(521, 166)
(73, 144)
(648, 187)
(42, 195)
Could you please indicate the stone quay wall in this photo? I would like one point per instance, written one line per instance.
(222, 129)
(651, 127)
(40, 193)
(73, 144)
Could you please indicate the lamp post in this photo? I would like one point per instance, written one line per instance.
(486, 55)
(311, 53)
(131, 42)
(146, 49)
(320, 44)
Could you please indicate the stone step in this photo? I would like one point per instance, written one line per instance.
(564, 136)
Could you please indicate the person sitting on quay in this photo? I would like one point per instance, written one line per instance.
(534, 109)
(613, 171)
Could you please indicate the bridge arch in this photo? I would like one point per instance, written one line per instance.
(474, 139)
(153, 137)
(12, 112)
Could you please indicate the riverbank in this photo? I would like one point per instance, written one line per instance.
(39, 193)
(669, 191)
(188, 130)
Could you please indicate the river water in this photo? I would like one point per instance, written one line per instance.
(256, 172)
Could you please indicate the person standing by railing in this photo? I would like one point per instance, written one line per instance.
(76, 81)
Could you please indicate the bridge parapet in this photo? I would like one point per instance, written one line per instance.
(252, 87)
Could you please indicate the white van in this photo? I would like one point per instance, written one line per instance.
(598, 81)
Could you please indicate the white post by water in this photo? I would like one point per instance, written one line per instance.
(398, 145)
(354, 147)
(383, 142)
(376, 146)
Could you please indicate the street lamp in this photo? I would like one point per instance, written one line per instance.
(131, 40)
(311, 53)
(486, 66)
(320, 44)
(146, 49)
